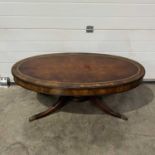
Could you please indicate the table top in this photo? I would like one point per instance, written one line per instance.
(78, 74)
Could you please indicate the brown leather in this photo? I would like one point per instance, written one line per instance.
(77, 71)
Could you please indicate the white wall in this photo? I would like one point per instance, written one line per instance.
(122, 27)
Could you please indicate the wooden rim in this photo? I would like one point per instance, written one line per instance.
(78, 92)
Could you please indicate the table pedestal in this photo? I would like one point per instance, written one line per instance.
(63, 100)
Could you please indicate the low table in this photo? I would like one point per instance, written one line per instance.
(78, 77)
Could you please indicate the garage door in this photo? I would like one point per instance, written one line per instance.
(31, 27)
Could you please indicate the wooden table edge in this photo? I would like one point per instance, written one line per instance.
(79, 91)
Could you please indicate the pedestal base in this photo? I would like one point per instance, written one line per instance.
(63, 100)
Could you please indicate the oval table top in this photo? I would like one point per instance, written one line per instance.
(78, 74)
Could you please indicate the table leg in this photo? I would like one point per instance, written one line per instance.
(98, 102)
(62, 101)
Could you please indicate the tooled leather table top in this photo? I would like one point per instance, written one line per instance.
(77, 71)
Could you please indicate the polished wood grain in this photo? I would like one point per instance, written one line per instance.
(78, 74)
(78, 77)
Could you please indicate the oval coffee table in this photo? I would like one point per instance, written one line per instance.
(78, 77)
